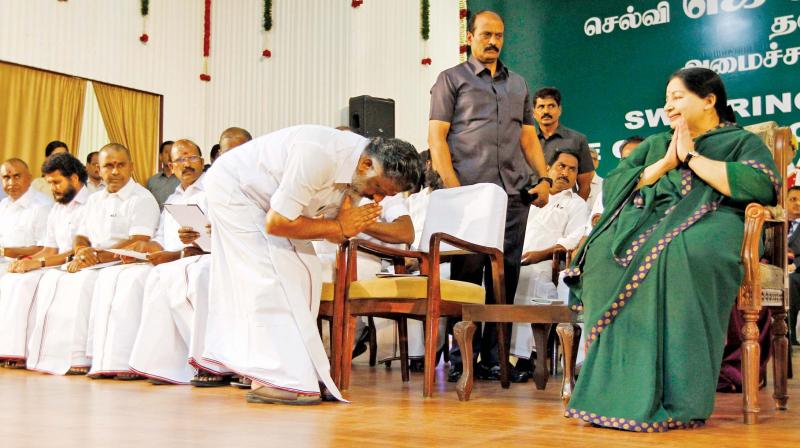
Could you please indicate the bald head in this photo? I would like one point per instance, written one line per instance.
(231, 138)
(16, 178)
(115, 166)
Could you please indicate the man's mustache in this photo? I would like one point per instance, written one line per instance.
(491, 47)
(564, 178)
(189, 170)
(547, 116)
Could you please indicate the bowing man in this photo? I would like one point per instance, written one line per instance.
(117, 217)
(266, 201)
(67, 178)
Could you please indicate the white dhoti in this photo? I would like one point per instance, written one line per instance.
(63, 304)
(116, 313)
(175, 293)
(535, 283)
(17, 312)
(264, 298)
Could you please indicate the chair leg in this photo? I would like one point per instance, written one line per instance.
(373, 342)
(541, 372)
(463, 332)
(431, 337)
(402, 330)
(502, 351)
(780, 358)
(347, 350)
(570, 336)
(750, 358)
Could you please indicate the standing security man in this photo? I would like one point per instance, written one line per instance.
(481, 130)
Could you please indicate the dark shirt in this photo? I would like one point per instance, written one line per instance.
(162, 186)
(575, 142)
(486, 116)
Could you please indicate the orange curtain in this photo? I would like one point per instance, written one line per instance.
(37, 107)
(132, 118)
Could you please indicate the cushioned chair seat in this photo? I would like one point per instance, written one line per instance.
(415, 288)
(327, 292)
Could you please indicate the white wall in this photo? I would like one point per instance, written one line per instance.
(324, 52)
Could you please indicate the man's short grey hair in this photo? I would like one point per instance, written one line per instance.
(399, 159)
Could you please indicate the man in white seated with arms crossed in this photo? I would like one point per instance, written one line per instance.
(23, 214)
(267, 200)
(556, 227)
(118, 217)
(66, 176)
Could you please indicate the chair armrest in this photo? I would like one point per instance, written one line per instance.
(466, 246)
(750, 289)
(383, 251)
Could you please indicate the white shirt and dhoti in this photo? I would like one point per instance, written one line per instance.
(265, 289)
(561, 222)
(23, 223)
(94, 313)
(18, 291)
(175, 304)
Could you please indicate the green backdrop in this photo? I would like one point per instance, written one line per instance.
(612, 77)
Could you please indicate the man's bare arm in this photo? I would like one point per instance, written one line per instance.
(440, 153)
(400, 231)
(532, 149)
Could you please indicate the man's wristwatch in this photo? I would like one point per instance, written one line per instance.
(688, 157)
(41, 262)
(546, 179)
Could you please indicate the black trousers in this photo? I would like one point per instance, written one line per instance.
(477, 269)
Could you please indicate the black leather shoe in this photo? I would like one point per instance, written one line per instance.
(520, 376)
(361, 343)
(487, 373)
(417, 365)
(453, 375)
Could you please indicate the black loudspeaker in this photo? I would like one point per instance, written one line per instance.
(372, 117)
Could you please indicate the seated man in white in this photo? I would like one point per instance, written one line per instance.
(597, 207)
(161, 348)
(266, 200)
(556, 227)
(393, 228)
(170, 340)
(23, 214)
(66, 176)
(117, 217)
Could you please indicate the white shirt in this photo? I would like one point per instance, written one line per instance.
(42, 186)
(113, 217)
(597, 190)
(23, 222)
(562, 221)
(167, 233)
(64, 221)
(301, 170)
(92, 188)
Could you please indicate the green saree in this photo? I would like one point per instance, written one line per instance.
(656, 281)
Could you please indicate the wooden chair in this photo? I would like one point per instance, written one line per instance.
(766, 284)
(450, 223)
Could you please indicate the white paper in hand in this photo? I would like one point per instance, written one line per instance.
(190, 215)
(128, 253)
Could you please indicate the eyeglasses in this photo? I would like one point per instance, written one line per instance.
(188, 159)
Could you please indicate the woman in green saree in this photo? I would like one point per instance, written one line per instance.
(658, 276)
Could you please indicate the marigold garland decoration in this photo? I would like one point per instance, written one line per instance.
(462, 29)
(145, 9)
(267, 27)
(425, 29)
(206, 41)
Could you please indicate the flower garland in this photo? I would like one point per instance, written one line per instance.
(462, 30)
(425, 30)
(267, 27)
(206, 41)
(145, 8)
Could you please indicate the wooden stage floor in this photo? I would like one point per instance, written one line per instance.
(40, 410)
